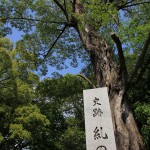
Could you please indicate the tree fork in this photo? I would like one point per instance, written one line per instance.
(107, 74)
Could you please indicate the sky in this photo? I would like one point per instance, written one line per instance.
(17, 35)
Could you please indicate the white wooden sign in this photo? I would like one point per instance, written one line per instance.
(98, 121)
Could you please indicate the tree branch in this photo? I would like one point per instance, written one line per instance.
(54, 42)
(65, 7)
(140, 59)
(131, 5)
(30, 19)
(62, 8)
(87, 80)
(127, 2)
(121, 57)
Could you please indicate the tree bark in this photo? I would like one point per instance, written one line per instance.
(108, 74)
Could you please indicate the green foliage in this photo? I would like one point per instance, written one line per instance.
(133, 29)
(139, 95)
(7, 84)
(58, 120)
(142, 112)
(64, 87)
(21, 121)
(73, 138)
(61, 101)
(107, 13)
(1, 138)
(30, 117)
(28, 124)
(17, 131)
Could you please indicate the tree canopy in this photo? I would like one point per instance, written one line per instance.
(20, 120)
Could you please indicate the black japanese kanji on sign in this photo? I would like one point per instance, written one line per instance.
(96, 101)
(97, 112)
(98, 133)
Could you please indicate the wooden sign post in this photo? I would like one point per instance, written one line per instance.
(98, 121)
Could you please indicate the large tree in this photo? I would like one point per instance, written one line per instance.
(57, 27)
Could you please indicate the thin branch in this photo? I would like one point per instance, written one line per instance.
(54, 43)
(128, 2)
(65, 6)
(131, 5)
(124, 4)
(16, 12)
(86, 79)
(38, 20)
(140, 59)
(121, 57)
(62, 8)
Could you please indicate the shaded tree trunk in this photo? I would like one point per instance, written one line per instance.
(108, 74)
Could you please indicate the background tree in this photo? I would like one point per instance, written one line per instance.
(60, 99)
(90, 21)
(139, 96)
(21, 121)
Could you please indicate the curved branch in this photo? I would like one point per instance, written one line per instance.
(87, 80)
(54, 42)
(121, 57)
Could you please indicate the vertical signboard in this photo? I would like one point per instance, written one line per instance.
(98, 121)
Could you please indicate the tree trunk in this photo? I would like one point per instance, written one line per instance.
(108, 74)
